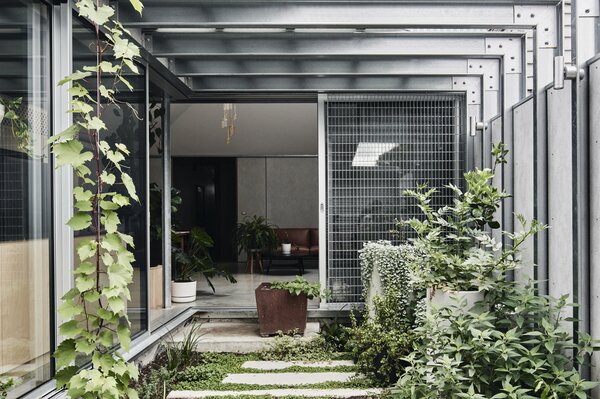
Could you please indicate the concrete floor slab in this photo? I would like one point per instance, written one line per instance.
(236, 336)
(281, 393)
(282, 365)
(286, 379)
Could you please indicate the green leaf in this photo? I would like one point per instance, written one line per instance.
(64, 375)
(132, 394)
(103, 361)
(106, 338)
(120, 200)
(137, 5)
(123, 148)
(108, 178)
(125, 82)
(91, 296)
(86, 249)
(69, 309)
(84, 206)
(85, 268)
(112, 242)
(131, 65)
(115, 157)
(127, 239)
(109, 206)
(66, 135)
(117, 304)
(80, 221)
(85, 345)
(110, 220)
(119, 275)
(69, 152)
(130, 186)
(70, 329)
(84, 283)
(77, 75)
(95, 123)
(124, 336)
(99, 15)
(65, 353)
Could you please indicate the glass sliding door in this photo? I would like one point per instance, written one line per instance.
(25, 195)
(125, 124)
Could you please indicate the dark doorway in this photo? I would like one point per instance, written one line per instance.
(209, 200)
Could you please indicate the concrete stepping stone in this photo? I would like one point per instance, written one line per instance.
(286, 378)
(280, 393)
(282, 365)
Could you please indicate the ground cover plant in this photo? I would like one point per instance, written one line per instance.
(205, 371)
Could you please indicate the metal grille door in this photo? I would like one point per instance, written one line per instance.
(377, 147)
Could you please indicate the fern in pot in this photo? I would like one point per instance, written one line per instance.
(452, 242)
(196, 259)
(255, 235)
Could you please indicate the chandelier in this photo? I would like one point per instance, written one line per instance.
(229, 118)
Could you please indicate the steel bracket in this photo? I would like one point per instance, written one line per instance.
(588, 8)
(511, 49)
(489, 69)
(469, 84)
(544, 18)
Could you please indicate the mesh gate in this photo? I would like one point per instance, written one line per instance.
(377, 147)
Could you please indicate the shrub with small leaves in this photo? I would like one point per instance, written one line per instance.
(300, 286)
(517, 349)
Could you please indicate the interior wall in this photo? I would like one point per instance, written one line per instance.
(283, 189)
(261, 130)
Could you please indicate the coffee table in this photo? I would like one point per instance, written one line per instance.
(280, 256)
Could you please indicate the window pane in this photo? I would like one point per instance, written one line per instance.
(25, 192)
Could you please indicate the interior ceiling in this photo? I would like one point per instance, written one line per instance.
(261, 129)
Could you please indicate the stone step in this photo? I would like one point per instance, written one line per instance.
(236, 337)
(281, 393)
(287, 379)
(282, 365)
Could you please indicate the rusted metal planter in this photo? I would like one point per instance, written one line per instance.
(279, 311)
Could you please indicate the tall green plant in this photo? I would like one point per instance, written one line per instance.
(94, 312)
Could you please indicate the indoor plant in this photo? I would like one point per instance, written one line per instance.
(254, 235)
(452, 244)
(286, 245)
(282, 306)
(195, 259)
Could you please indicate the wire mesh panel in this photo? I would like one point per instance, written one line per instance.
(377, 147)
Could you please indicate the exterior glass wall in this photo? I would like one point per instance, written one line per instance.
(127, 125)
(25, 195)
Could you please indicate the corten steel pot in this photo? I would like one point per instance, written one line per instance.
(279, 311)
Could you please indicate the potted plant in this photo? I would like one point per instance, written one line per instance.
(286, 244)
(254, 235)
(452, 242)
(282, 306)
(195, 259)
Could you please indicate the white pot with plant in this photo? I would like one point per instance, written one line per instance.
(196, 259)
(452, 259)
(286, 245)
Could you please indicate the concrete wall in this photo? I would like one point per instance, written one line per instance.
(284, 189)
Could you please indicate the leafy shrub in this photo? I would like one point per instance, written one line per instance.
(300, 286)
(295, 347)
(335, 334)
(452, 245)
(517, 349)
(379, 343)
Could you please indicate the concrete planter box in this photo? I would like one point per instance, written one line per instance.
(280, 311)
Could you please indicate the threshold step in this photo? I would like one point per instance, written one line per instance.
(282, 365)
(235, 336)
(281, 393)
(287, 379)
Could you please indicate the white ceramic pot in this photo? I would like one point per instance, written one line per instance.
(183, 292)
(440, 298)
(286, 249)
